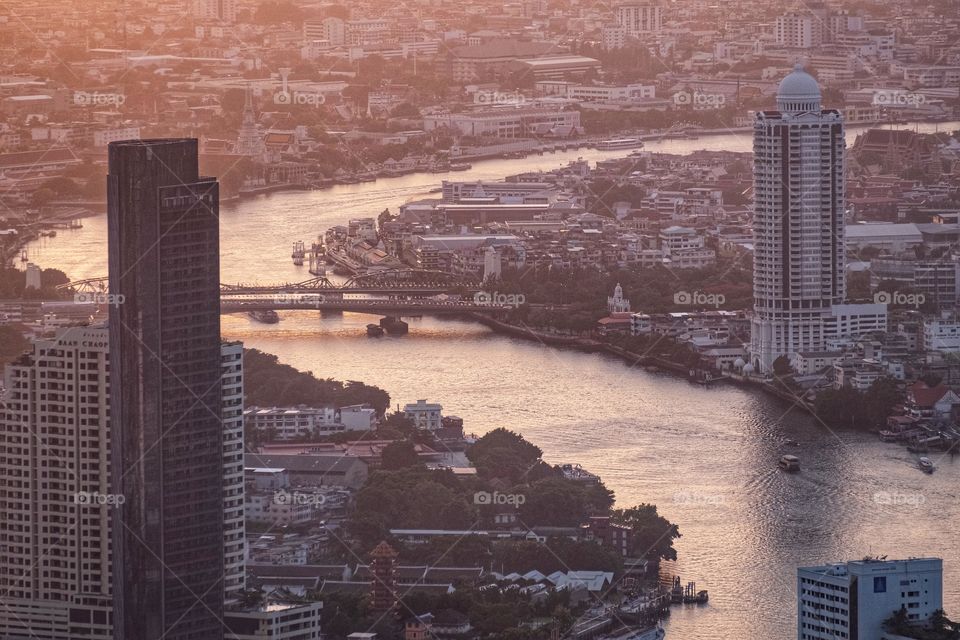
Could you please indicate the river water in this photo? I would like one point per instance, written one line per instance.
(706, 456)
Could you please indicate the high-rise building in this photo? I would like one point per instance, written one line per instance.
(215, 10)
(234, 531)
(799, 281)
(640, 18)
(55, 494)
(853, 600)
(55, 572)
(799, 30)
(166, 418)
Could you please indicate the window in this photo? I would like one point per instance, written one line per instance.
(880, 584)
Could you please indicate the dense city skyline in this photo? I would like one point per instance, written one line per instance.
(537, 320)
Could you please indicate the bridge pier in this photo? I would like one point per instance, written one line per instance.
(394, 325)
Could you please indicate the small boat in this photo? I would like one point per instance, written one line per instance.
(374, 330)
(926, 465)
(267, 316)
(620, 143)
(790, 463)
(460, 166)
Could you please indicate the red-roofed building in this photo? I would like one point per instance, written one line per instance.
(932, 402)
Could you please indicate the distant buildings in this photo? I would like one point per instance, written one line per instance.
(514, 122)
(424, 415)
(285, 423)
(852, 600)
(640, 19)
(215, 10)
(166, 415)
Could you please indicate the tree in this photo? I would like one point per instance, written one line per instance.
(398, 455)
(269, 383)
(12, 342)
(781, 367)
(653, 535)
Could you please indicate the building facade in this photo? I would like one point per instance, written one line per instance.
(798, 226)
(165, 351)
(853, 600)
(71, 373)
(639, 19)
(55, 519)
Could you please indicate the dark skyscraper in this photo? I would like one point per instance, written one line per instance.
(165, 398)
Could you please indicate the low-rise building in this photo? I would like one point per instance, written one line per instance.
(285, 423)
(853, 600)
(425, 415)
(810, 362)
(274, 620)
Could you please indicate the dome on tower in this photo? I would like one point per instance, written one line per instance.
(799, 91)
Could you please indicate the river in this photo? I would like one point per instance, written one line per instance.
(706, 456)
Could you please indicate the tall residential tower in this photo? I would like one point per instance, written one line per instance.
(55, 515)
(166, 417)
(799, 281)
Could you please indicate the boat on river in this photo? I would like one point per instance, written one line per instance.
(620, 143)
(266, 316)
(790, 463)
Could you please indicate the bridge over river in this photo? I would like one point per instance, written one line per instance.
(394, 292)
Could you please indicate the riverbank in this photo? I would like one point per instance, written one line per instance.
(591, 345)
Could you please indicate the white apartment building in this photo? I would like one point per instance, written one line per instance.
(613, 37)
(941, 335)
(425, 415)
(218, 10)
(640, 18)
(679, 238)
(103, 137)
(55, 570)
(274, 621)
(286, 423)
(799, 283)
(851, 601)
(799, 31)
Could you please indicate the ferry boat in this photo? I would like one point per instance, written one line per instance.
(620, 143)
(460, 166)
(268, 316)
(926, 465)
(790, 463)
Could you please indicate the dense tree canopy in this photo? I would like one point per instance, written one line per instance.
(268, 382)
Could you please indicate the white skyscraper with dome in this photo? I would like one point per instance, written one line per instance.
(799, 282)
